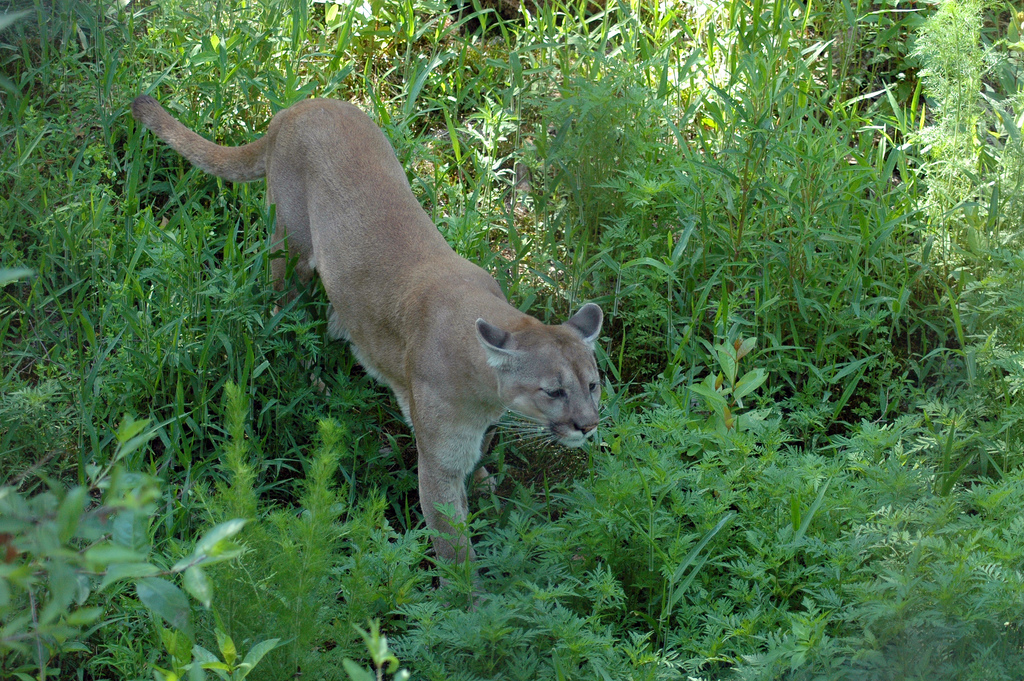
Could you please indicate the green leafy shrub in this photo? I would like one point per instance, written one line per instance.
(377, 645)
(849, 557)
(62, 548)
(308, 574)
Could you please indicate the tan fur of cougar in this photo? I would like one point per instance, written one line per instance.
(413, 310)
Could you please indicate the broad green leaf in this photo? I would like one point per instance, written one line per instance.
(161, 674)
(119, 571)
(195, 672)
(176, 644)
(727, 360)
(198, 584)
(227, 647)
(130, 529)
(713, 399)
(83, 616)
(216, 534)
(218, 665)
(84, 584)
(135, 443)
(108, 553)
(129, 428)
(355, 672)
(745, 347)
(63, 585)
(70, 513)
(167, 601)
(748, 383)
(256, 653)
(201, 656)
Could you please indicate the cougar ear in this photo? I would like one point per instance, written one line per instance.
(587, 322)
(498, 343)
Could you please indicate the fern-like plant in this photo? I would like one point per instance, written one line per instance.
(283, 586)
(950, 47)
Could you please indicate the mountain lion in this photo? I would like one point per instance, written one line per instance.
(431, 325)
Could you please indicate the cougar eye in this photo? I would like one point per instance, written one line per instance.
(593, 386)
(554, 393)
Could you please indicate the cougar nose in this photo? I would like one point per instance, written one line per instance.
(586, 427)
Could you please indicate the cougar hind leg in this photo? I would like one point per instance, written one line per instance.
(303, 269)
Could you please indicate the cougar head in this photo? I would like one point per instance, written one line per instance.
(548, 374)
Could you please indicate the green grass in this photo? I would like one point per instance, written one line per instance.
(839, 499)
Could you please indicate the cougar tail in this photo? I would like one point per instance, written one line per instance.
(237, 164)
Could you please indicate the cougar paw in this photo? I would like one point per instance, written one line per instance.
(484, 482)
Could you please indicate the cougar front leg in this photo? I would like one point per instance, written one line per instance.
(440, 488)
(445, 459)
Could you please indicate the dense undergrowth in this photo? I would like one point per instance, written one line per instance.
(802, 220)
